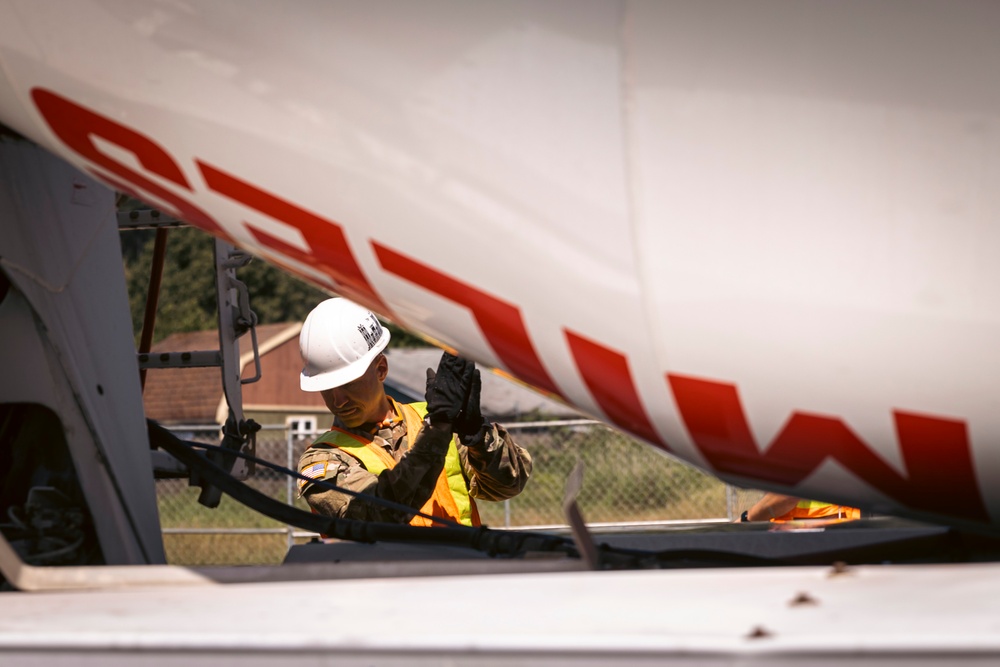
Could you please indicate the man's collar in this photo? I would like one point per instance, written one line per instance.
(397, 416)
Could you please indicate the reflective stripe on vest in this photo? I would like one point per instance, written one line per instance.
(450, 499)
(815, 509)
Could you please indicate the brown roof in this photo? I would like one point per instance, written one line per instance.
(279, 381)
(194, 395)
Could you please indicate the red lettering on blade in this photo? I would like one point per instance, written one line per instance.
(330, 252)
(940, 474)
(500, 322)
(607, 375)
(76, 126)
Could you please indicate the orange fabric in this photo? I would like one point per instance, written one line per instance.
(441, 503)
(812, 509)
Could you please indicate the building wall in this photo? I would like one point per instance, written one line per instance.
(322, 418)
(279, 383)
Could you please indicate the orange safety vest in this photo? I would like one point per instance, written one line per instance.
(814, 509)
(450, 499)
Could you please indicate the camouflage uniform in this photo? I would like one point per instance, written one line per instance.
(494, 466)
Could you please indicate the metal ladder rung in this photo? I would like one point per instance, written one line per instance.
(147, 219)
(198, 359)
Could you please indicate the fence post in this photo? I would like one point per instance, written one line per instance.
(289, 498)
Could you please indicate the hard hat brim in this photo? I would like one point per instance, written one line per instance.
(341, 376)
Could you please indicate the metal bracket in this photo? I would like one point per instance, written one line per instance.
(235, 319)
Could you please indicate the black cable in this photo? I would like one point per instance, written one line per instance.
(493, 542)
(482, 539)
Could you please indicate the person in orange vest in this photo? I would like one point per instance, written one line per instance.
(436, 456)
(777, 507)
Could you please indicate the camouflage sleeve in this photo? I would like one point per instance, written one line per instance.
(410, 483)
(496, 466)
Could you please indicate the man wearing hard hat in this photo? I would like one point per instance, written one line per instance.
(436, 457)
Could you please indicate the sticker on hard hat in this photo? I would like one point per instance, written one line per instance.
(372, 332)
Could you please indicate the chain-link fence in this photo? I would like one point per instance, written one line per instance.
(625, 483)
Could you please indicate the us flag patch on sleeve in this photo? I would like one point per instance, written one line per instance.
(315, 471)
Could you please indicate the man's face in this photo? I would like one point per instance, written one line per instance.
(361, 401)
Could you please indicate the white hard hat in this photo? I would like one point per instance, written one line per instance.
(338, 342)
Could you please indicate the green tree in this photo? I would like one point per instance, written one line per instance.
(187, 291)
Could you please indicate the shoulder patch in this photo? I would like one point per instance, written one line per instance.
(314, 471)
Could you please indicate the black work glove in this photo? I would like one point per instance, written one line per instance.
(470, 421)
(448, 389)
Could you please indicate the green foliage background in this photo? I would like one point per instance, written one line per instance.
(187, 291)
